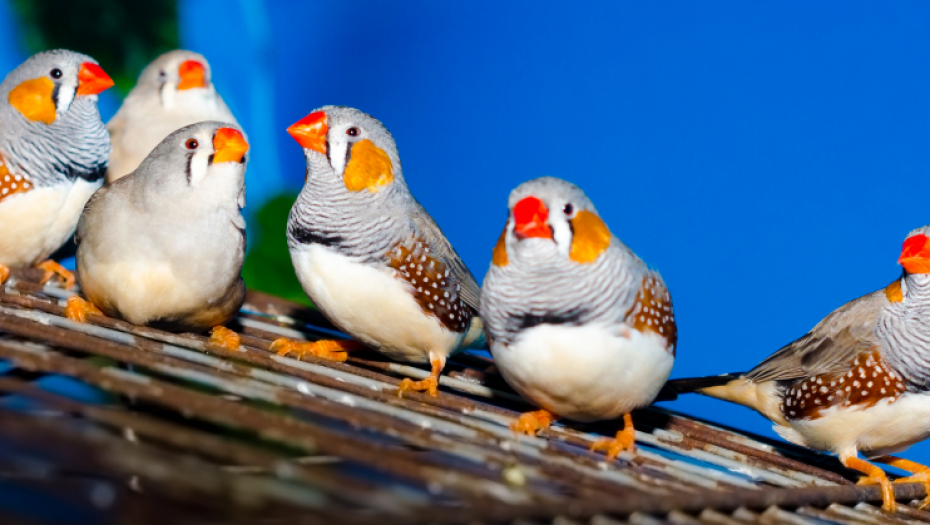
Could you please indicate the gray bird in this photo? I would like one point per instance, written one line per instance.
(174, 90)
(53, 154)
(369, 256)
(577, 323)
(164, 246)
(859, 381)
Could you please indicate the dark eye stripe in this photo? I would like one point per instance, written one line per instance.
(190, 160)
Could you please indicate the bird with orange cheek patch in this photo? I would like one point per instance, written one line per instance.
(173, 91)
(859, 381)
(369, 256)
(577, 323)
(53, 155)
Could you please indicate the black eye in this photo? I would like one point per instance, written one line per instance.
(191, 143)
(568, 209)
(162, 74)
(352, 132)
(56, 73)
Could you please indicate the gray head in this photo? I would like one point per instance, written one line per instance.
(549, 217)
(42, 89)
(353, 145)
(52, 129)
(204, 161)
(176, 74)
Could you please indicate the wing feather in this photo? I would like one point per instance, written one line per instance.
(830, 347)
(429, 230)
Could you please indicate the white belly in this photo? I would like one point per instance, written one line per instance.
(141, 290)
(585, 373)
(372, 305)
(36, 223)
(881, 429)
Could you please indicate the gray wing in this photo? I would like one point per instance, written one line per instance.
(427, 227)
(832, 345)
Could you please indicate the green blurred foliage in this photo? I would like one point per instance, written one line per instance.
(268, 264)
(122, 35)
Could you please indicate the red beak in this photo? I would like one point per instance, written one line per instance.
(92, 80)
(192, 75)
(915, 254)
(228, 146)
(310, 131)
(530, 216)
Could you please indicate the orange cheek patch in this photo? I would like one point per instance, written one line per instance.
(499, 257)
(893, 292)
(10, 184)
(369, 168)
(33, 98)
(591, 237)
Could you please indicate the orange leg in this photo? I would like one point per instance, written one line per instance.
(873, 476)
(52, 269)
(430, 384)
(332, 349)
(530, 423)
(622, 441)
(4, 273)
(921, 474)
(224, 338)
(77, 309)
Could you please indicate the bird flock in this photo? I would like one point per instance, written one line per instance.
(577, 323)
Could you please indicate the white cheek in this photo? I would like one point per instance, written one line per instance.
(65, 98)
(337, 156)
(168, 91)
(562, 233)
(200, 167)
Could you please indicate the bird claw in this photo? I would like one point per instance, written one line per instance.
(624, 440)
(430, 385)
(77, 309)
(333, 350)
(530, 423)
(52, 269)
(224, 338)
(888, 502)
(919, 477)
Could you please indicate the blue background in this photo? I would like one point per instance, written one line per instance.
(767, 158)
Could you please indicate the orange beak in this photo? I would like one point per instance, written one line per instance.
(192, 75)
(92, 80)
(310, 131)
(915, 254)
(228, 146)
(530, 216)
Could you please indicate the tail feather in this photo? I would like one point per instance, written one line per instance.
(474, 337)
(762, 397)
(690, 385)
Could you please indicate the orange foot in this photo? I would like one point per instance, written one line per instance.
(332, 349)
(430, 385)
(77, 309)
(921, 474)
(530, 423)
(873, 476)
(224, 338)
(622, 441)
(52, 269)
(4, 273)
